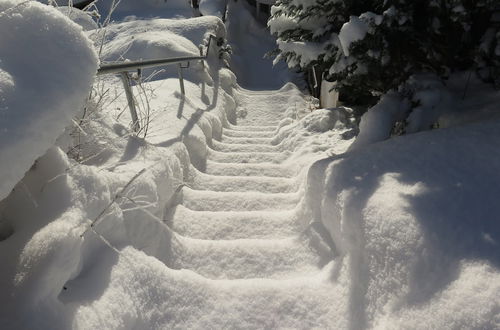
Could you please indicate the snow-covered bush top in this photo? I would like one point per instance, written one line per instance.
(39, 92)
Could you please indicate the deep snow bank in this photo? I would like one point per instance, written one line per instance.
(417, 218)
(39, 92)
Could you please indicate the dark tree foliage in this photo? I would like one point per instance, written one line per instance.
(403, 37)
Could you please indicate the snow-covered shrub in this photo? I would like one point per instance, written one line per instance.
(39, 93)
(416, 106)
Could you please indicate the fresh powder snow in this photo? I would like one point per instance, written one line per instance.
(239, 204)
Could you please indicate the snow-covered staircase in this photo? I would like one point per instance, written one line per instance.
(238, 223)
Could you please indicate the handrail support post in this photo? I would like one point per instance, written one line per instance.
(130, 99)
(181, 79)
(201, 55)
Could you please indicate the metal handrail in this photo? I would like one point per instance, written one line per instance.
(124, 67)
(135, 65)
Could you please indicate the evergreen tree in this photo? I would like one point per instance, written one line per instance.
(371, 47)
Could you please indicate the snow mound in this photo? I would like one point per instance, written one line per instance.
(39, 94)
(156, 38)
(419, 226)
(377, 122)
(148, 45)
(425, 102)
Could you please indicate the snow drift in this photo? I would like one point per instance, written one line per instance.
(39, 92)
(419, 227)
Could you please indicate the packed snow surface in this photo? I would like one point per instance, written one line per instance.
(40, 91)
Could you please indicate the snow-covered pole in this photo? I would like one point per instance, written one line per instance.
(200, 47)
(131, 102)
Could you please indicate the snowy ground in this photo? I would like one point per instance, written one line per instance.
(238, 208)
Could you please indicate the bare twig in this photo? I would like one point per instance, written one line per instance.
(120, 194)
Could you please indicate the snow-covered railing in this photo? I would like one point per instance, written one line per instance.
(137, 65)
(123, 68)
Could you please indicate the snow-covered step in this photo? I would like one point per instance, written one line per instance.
(202, 200)
(203, 181)
(248, 258)
(242, 169)
(249, 134)
(231, 147)
(182, 299)
(234, 225)
(309, 302)
(256, 128)
(245, 140)
(247, 157)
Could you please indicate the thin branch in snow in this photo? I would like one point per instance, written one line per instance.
(11, 9)
(79, 127)
(155, 217)
(120, 194)
(105, 241)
